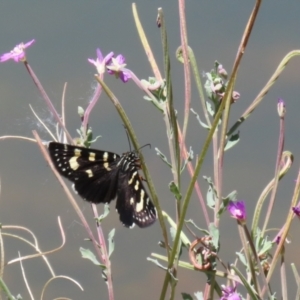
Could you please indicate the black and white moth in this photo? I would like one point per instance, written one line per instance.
(101, 176)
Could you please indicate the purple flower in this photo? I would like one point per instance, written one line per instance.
(117, 67)
(100, 63)
(281, 108)
(229, 293)
(237, 210)
(17, 54)
(296, 210)
(277, 239)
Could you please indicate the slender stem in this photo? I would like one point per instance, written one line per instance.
(48, 101)
(103, 247)
(91, 105)
(186, 66)
(227, 99)
(264, 90)
(284, 232)
(276, 175)
(188, 197)
(6, 290)
(284, 289)
(137, 146)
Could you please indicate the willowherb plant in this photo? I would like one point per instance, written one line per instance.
(100, 176)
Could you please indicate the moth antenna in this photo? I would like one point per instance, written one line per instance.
(145, 146)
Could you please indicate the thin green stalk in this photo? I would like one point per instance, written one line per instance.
(170, 116)
(199, 84)
(288, 158)
(276, 175)
(264, 90)
(284, 232)
(136, 145)
(186, 66)
(6, 290)
(284, 289)
(247, 254)
(188, 197)
(227, 99)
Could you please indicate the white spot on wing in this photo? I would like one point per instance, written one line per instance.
(140, 205)
(132, 177)
(105, 156)
(89, 172)
(77, 152)
(74, 165)
(92, 156)
(106, 166)
(136, 187)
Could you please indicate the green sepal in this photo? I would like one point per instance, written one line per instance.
(174, 189)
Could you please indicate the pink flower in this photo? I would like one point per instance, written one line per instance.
(296, 210)
(117, 67)
(100, 62)
(17, 54)
(228, 293)
(237, 210)
(281, 108)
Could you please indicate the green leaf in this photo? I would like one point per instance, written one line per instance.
(204, 125)
(179, 55)
(105, 213)
(158, 91)
(232, 141)
(252, 293)
(262, 244)
(111, 242)
(205, 231)
(242, 258)
(186, 242)
(88, 254)
(215, 234)
(155, 261)
(174, 189)
(210, 110)
(95, 139)
(210, 198)
(211, 194)
(189, 158)
(231, 197)
(186, 296)
(163, 157)
(208, 84)
(173, 234)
